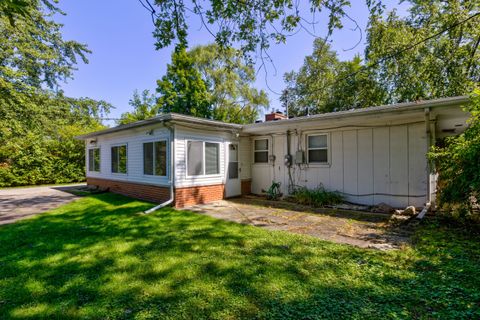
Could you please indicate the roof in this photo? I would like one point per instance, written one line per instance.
(405, 106)
(183, 119)
(166, 117)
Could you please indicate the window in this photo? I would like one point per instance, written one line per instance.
(318, 148)
(155, 158)
(94, 159)
(261, 151)
(203, 158)
(119, 159)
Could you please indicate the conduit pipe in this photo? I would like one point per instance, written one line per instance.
(172, 172)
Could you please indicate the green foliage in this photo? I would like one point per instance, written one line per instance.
(324, 84)
(230, 82)
(182, 89)
(250, 25)
(97, 258)
(317, 197)
(444, 66)
(458, 165)
(37, 125)
(144, 107)
(273, 193)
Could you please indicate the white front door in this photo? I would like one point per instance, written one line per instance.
(233, 186)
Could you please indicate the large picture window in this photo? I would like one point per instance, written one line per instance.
(317, 148)
(94, 160)
(203, 158)
(119, 159)
(155, 158)
(261, 151)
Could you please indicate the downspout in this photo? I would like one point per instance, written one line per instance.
(429, 168)
(172, 173)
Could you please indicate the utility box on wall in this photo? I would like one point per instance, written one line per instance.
(299, 157)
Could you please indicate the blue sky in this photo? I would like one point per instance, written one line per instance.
(124, 58)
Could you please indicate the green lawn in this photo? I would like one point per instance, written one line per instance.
(96, 258)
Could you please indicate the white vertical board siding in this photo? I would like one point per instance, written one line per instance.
(245, 154)
(365, 166)
(417, 164)
(182, 135)
(134, 140)
(399, 165)
(369, 165)
(350, 165)
(381, 164)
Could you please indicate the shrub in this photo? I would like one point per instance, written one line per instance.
(458, 166)
(317, 197)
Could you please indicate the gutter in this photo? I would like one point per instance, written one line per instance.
(172, 173)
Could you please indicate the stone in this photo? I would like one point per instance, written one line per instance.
(410, 211)
(384, 208)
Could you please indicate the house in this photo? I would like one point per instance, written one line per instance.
(370, 155)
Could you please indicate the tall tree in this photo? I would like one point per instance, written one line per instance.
(37, 121)
(182, 89)
(144, 107)
(230, 83)
(408, 68)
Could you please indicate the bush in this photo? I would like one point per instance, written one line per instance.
(317, 197)
(458, 166)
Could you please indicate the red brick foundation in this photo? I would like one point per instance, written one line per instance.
(246, 187)
(183, 196)
(135, 190)
(195, 195)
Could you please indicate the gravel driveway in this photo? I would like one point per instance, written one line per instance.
(21, 203)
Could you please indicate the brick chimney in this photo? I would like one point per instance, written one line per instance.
(274, 116)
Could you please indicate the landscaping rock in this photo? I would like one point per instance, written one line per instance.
(383, 208)
(410, 211)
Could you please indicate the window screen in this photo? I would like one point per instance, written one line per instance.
(261, 151)
(195, 158)
(318, 149)
(212, 152)
(161, 158)
(119, 159)
(148, 158)
(94, 160)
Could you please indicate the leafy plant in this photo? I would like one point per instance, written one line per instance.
(458, 166)
(317, 197)
(273, 193)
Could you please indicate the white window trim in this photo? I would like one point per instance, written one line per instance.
(319, 164)
(219, 174)
(268, 151)
(154, 158)
(118, 173)
(100, 159)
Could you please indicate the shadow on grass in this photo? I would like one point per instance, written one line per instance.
(97, 258)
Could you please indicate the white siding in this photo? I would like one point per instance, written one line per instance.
(134, 140)
(369, 165)
(182, 135)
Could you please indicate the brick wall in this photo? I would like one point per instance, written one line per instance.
(246, 186)
(135, 190)
(183, 196)
(195, 195)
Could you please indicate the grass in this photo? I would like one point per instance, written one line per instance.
(96, 258)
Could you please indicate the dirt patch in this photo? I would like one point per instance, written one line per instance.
(362, 229)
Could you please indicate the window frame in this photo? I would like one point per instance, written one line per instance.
(204, 159)
(263, 150)
(126, 160)
(154, 158)
(99, 159)
(326, 163)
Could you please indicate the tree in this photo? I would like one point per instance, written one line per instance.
(37, 122)
(457, 163)
(409, 69)
(252, 24)
(230, 83)
(182, 89)
(325, 84)
(144, 107)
